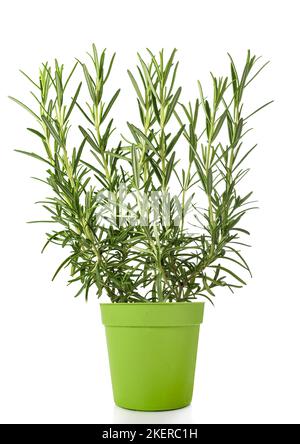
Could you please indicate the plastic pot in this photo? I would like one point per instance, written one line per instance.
(152, 351)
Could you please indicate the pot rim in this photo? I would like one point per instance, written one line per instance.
(151, 314)
(151, 303)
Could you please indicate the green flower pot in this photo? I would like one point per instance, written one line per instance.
(152, 351)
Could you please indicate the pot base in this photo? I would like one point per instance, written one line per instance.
(147, 410)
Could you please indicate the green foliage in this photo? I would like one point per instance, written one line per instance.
(150, 260)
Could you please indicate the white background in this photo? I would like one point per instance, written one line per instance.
(53, 361)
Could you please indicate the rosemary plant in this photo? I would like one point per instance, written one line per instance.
(146, 250)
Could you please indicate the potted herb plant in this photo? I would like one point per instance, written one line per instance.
(154, 221)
